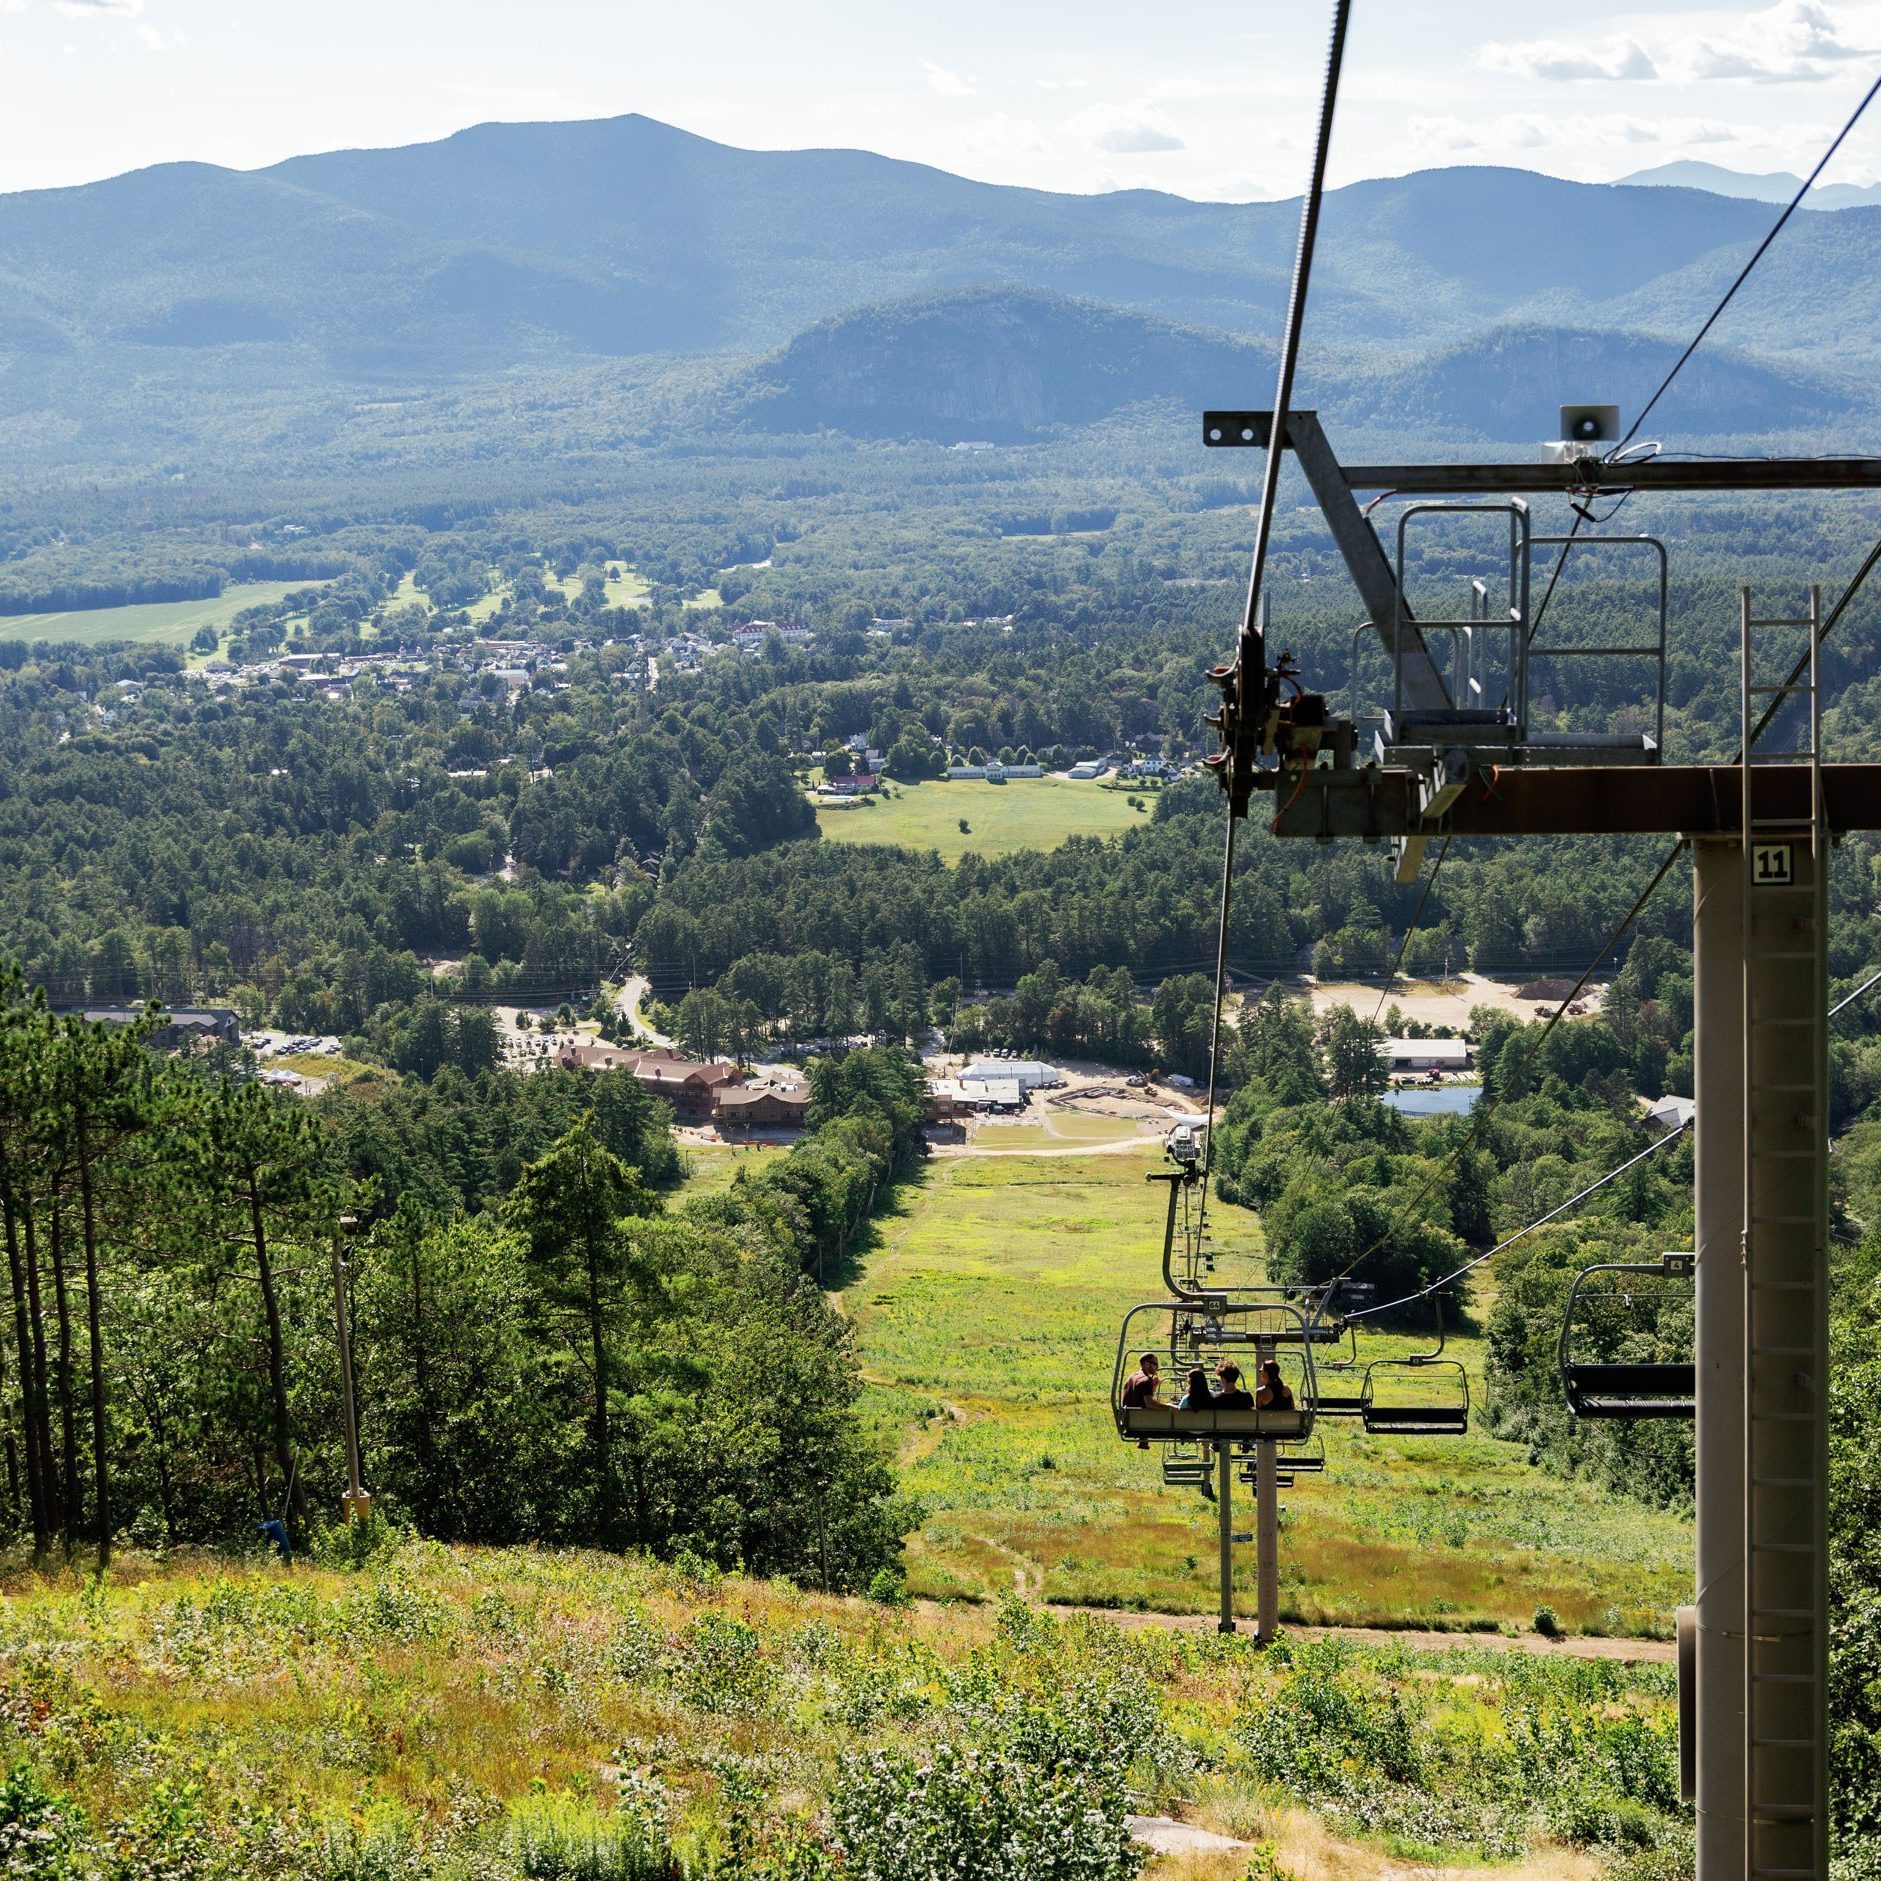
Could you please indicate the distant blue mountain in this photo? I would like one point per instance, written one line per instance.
(1771, 186)
(139, 308)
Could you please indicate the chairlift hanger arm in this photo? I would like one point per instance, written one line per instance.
(1590, 477)
(1574, 800)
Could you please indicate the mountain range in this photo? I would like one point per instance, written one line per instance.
(1768, 186)
(848, 291)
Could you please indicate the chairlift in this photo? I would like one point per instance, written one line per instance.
(1627, 1387)
(1187, 1466)
(1289, 1464)
(1191, 1333)
(1341, 1375)
(1423, 1394)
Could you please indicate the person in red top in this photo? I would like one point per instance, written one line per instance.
(1144, 1384)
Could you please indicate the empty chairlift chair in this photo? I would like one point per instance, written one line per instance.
(1620, 1321)
(1187, 1466)
(1340, 1382)
(1422, 1395)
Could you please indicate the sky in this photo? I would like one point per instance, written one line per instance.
(1200, 97)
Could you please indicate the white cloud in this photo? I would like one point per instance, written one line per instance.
(1003, 136)
(1557, 59)
(1527, 131)
(1797, 39)
(1131, 129)
(1792, 41)
(1064, 84)
(99, 9)
(947, 84)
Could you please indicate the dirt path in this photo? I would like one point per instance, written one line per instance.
(1580, 1646)
(1124, 1146)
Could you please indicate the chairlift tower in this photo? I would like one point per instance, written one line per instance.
(1457, 756)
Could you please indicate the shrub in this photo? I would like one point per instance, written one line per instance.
(557, 1838)
(964, 1815)
(1548, 1623)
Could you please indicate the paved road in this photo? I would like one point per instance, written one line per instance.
(628, 1000)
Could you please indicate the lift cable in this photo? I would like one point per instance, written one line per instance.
(1214, 1038)
(1743, 274)
(1848, 999)
(1541, 1221)
(1829, 620)
(1417, 915)
(1582, 514)
(1481, 1113)
(1249, 650)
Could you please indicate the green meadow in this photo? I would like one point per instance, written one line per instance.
(160, 623)
(988, 1316)
(1027, 813)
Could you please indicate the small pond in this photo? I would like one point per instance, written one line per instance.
(1439, 1100)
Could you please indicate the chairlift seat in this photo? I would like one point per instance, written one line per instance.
(1435, 1400)
(1416, 1420)
(1185, 1472)
(1628, 1388)
(1631, 1391)
(1339, 1404)
(1170, 1425)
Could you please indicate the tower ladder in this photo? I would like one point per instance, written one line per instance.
(1785, 1124)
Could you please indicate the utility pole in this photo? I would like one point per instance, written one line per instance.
(1224, 1496)
(356, 1503)
(1266, 1525)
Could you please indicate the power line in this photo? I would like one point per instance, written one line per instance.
(1248, 647)
(1743, 274)
(1541, 1221)
(1480, 1114)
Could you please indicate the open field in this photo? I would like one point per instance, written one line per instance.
(160, 623)
(712, 1167)
(1028, 813)
(526, 1715)
(624, 588)
(988, 1318)
(1052, 1128)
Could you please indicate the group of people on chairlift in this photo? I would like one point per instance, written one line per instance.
(1143, 1388)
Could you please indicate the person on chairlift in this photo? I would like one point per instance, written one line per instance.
(1275, 1393)
(1144, 1385)
(1231, 1394)
(1197, 1397)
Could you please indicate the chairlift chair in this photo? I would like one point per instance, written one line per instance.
(1335, 1379)
(1186, 1466)
(1190, 1333)
(1627, 1388)
(1423, 1394)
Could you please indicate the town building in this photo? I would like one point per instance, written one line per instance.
(700, 1093)
(1027, 1073)
(187, 1028)
(1425, 1054)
